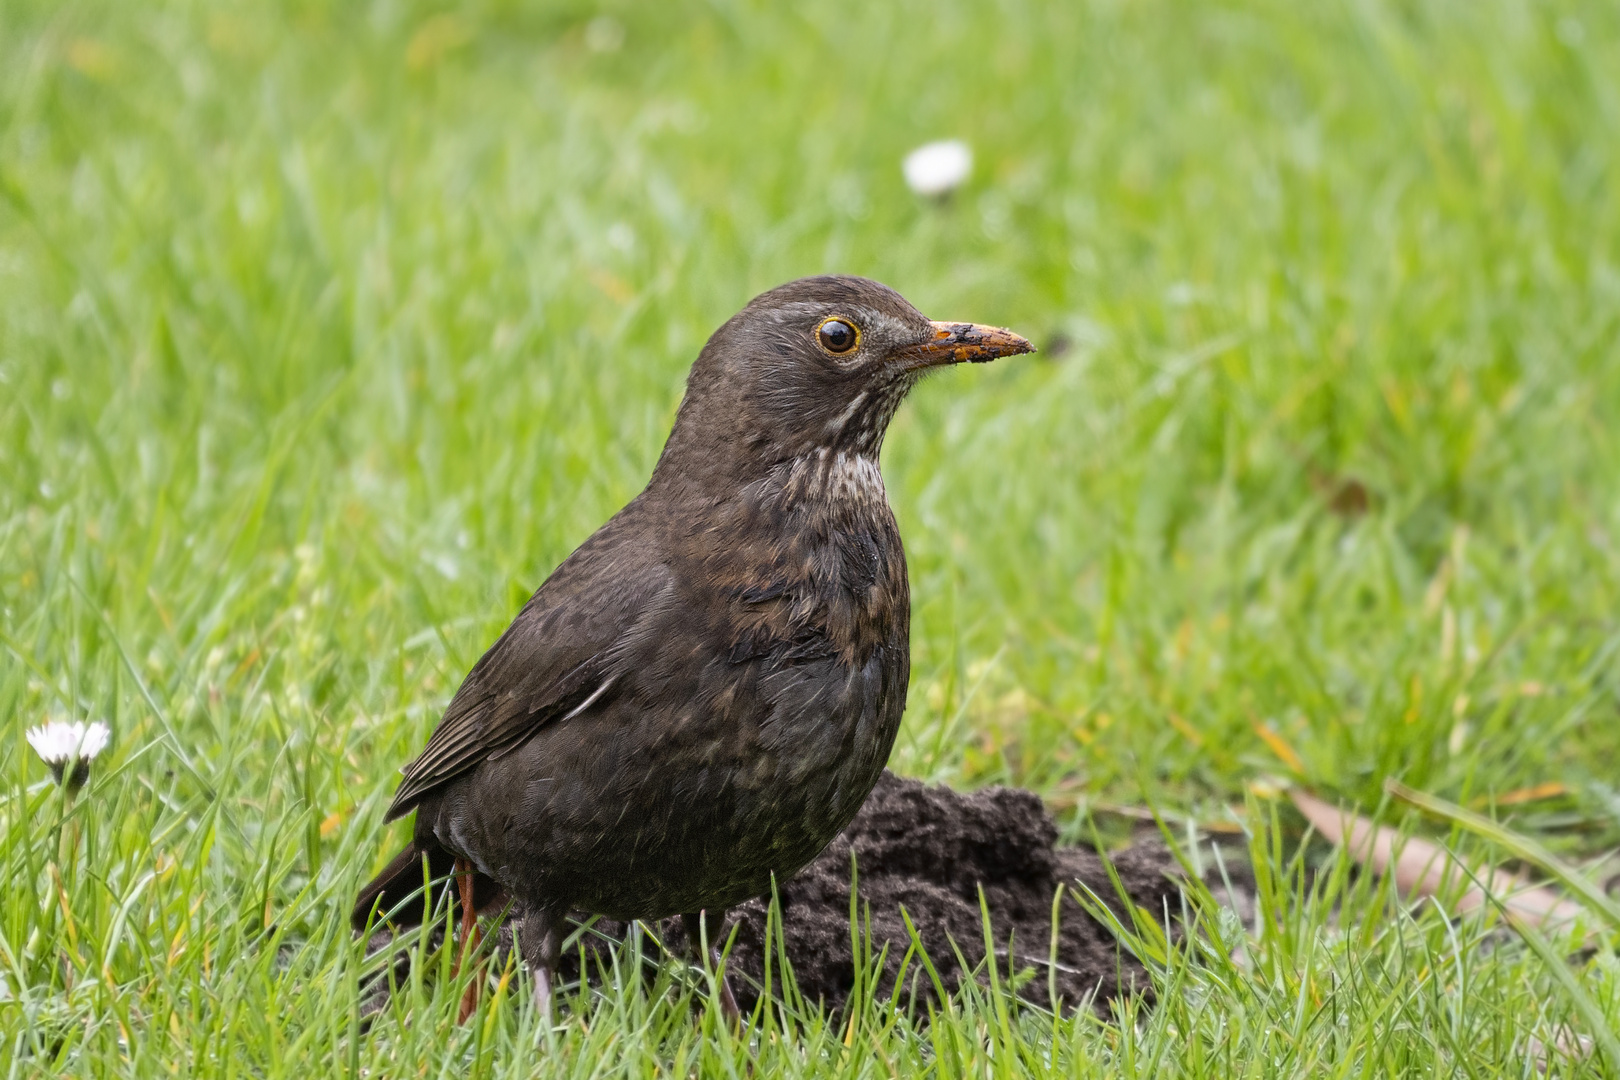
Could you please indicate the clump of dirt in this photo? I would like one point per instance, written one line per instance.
(930, 850)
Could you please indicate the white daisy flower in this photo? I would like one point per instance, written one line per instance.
(938, 168)
(96, 738)
(60, 744)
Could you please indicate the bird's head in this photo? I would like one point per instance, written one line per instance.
(818, 363)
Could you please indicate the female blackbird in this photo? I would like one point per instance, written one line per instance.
(703, 694)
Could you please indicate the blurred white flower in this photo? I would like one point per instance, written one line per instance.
(60, 744)
(938, 168)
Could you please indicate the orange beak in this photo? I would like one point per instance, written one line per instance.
(963, 343)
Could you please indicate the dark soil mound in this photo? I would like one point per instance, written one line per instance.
(930, 850)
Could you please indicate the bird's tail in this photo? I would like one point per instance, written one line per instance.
(403, 895)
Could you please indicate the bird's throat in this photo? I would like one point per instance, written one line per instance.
(840, 477)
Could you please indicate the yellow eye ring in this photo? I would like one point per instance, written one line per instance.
(838, 335)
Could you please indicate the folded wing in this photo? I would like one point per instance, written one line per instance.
(556, 660)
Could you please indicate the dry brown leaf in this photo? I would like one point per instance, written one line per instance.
(1279, 746)
(1424, 868)
(1553, 789)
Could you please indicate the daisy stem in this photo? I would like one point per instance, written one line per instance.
(67, 833)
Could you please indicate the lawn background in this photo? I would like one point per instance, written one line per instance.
(327, 330)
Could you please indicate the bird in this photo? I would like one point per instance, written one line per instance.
(702, 695)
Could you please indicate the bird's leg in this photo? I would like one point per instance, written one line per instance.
(469, 938)
(702, 929)
(540, 936)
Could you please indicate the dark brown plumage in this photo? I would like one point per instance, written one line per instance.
(703, 694)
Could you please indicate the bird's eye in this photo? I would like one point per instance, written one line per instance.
(837, 335)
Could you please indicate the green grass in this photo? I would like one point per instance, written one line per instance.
(327, 330)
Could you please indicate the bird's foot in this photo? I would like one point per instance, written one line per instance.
(542, 995)
(540, 941)
(469, 940)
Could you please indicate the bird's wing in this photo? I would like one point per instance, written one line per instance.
(554, 661)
